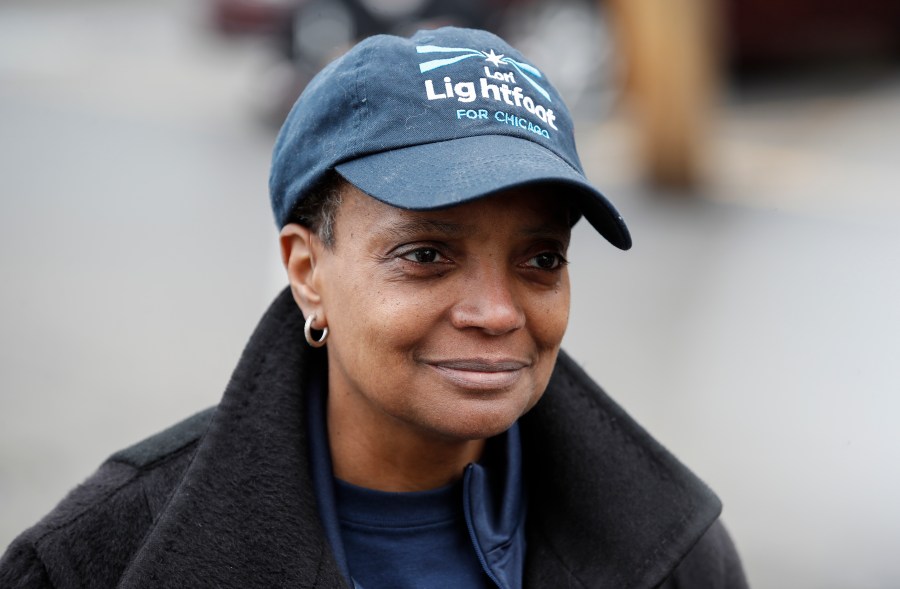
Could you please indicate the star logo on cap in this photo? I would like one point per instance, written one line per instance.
(494, 58)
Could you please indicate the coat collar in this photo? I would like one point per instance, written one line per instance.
(608, 506)
(244, 513)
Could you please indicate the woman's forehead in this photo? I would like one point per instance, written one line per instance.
(531, 209)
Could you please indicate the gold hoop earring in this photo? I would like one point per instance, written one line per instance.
(307, 333)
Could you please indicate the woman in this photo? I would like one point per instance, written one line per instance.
(429, 432)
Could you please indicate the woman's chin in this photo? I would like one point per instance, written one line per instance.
(485, 419)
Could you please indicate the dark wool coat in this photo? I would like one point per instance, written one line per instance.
(224, 499)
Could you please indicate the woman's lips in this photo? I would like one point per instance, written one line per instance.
(480, 374)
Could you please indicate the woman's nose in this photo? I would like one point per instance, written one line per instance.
(488, 302)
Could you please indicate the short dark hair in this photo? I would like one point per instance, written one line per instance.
(318, 209)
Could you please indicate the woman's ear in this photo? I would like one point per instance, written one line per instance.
(300, 248)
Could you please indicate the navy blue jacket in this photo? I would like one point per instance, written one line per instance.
(224, 499)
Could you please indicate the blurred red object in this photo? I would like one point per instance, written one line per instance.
(257, 17)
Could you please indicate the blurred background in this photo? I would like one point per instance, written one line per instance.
(752, 145)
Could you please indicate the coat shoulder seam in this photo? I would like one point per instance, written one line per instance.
(102, 498)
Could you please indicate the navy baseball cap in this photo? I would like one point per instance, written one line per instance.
(444, 117)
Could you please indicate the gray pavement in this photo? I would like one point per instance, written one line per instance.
(752, 330)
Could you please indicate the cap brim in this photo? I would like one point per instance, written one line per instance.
(447, 173)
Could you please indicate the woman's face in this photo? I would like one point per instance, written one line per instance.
(446, 323)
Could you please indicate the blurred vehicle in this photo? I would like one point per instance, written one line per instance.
(767, 33)
(676, 54)
(308, 34)
(322, 30)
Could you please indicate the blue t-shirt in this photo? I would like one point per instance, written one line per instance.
(408, 540)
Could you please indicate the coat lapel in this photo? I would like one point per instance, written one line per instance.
(610, 507)
(244, 514)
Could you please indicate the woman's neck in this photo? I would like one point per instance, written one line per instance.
(392, 457)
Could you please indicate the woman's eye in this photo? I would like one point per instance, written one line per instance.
(547, 261)
(424, 255)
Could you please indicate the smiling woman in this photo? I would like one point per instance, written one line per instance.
(444, 326)
(429, 432)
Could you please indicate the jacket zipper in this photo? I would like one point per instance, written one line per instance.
(471, 527)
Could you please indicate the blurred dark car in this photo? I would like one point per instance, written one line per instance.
(777, 32)
(310, 33)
